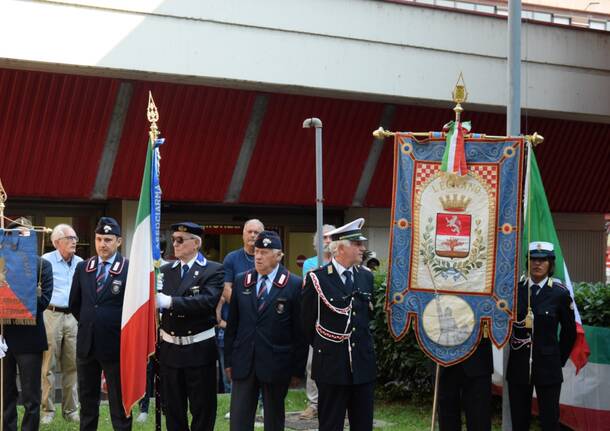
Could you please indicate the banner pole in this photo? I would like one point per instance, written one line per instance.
(435, 397)
(3, 198)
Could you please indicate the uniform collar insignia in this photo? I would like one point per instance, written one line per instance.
(281, 279)
(92, 264)
(175, 264)
(249, 279)
(201, 260)
(117, 266)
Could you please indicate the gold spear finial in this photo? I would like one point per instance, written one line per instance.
(459, 95)
(153, 116)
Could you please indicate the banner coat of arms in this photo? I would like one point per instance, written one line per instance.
(454, 244)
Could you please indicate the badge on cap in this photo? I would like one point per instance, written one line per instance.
(182, 228)
(266, 242)
(107, 228)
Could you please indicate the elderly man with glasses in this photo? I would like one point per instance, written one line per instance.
(61, 327)
(192, 286)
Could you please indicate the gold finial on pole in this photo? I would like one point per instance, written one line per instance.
(535, 139)
(459, 95)
(381, 133)
(153, 116)
(3, 198)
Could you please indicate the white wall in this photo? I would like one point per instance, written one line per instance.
(355, 48)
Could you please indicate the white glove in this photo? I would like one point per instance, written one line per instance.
(163, 301)
(3, 347)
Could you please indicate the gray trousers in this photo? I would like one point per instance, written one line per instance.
(310, 386)
(244, 398)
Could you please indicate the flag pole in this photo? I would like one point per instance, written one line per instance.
(3, 198)
(153, 116)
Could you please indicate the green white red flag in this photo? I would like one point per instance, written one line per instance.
(539, 226)
(138, 323)
(454, 157)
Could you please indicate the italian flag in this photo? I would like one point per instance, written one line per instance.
(138, 323)
(584, 402)
(454, 157)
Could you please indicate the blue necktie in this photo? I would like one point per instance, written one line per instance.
(261, 297)
(349, 284)
(185, 270)
(101, 277)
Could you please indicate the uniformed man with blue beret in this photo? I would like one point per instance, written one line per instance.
(192, 286)
(96, 301)
(538, 349)
(264, 345)
(336, 310)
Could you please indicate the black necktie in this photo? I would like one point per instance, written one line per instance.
(349, 284)
(535, 289)
(185, 270)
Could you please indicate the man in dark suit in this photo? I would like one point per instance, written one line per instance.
(264, 345)
(25, 346)
(537, 350)
(192, 286)
(96, 301)
(467, 386)
(336, 310)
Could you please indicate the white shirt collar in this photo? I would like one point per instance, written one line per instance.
(543, 283)
(341, 269)
(190, 263)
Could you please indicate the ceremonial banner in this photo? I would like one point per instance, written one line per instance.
(454, 241)
(18, 277)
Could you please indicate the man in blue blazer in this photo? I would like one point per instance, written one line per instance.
(96, 301)
(264, 344)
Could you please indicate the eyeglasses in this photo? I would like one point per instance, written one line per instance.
(70, 238)
(179, 239)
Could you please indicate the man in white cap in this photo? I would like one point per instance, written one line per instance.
(538, 351)
(336, 310)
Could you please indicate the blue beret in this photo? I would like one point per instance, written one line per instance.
(187, 226)
(268, 239)
(108, 226)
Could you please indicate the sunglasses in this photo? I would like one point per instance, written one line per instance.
(179, 239)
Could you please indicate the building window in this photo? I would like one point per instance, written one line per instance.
(445, 3)
(565, 20)
(542, 16)
(485, 8)
(464, 6)
(527, 14)
(597, 25)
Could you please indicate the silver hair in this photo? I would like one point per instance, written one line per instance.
(199, 240)
(58, 232)
(333, 247)
(254, 220)
(325, 228)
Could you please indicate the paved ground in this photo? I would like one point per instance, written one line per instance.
(294, 423)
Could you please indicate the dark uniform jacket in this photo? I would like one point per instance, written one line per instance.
(33, 338)
(480, 363)
(271, 340)
(331, 363)
(552, 306)
(98, 314)
(193, 310)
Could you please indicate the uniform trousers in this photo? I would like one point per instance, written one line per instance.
(61, 336)
(334, 400)
(29, 365)
(457, 392)
(244, 399)
(89, 381)
(520, 396)
(193, 388)
(310, 385)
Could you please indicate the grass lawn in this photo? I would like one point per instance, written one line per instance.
(402, 415)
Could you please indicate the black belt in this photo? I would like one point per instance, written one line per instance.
(59, 309)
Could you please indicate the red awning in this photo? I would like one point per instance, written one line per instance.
(53, 129)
